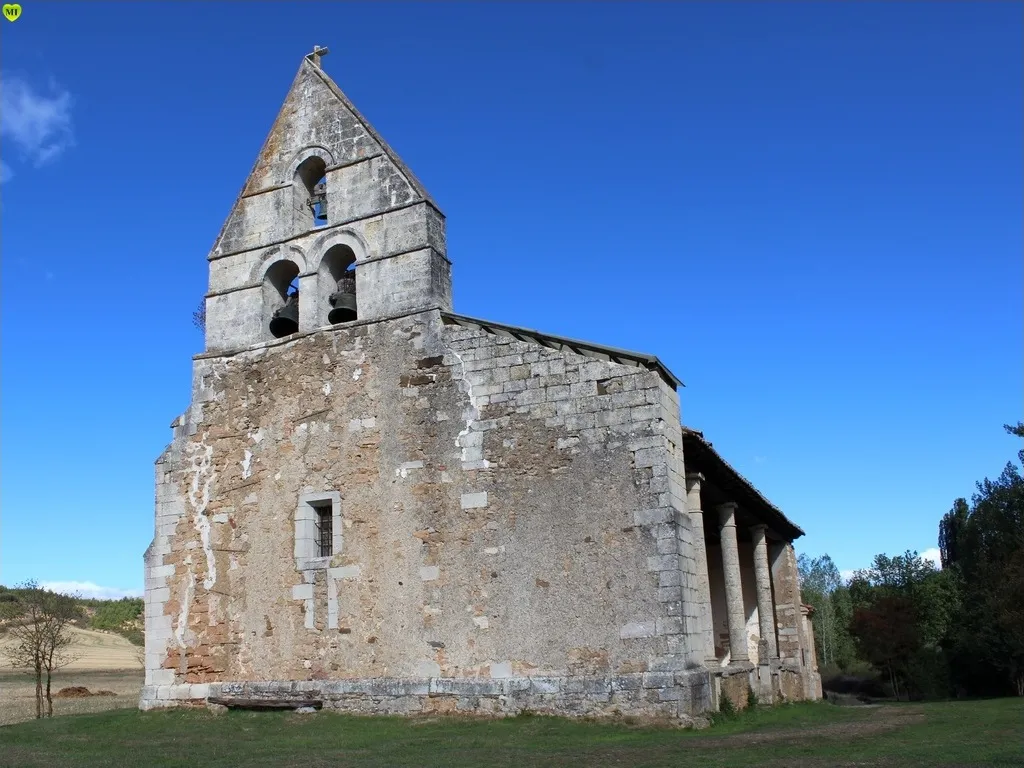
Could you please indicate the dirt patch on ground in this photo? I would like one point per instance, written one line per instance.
(79, 692)
(72, 692)
(878, 720)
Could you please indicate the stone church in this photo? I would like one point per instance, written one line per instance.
(376, 504)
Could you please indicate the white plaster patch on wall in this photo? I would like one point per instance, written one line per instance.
(637, 629)
(199, 498)
(327, 388)
(356, 374)
(246, 465)
(481, 622)
(256, 436)
(462, 440)
(501, 669)
(429, 573)
(474, 500)
(332, 603)
(428, 668)
(186, 601)
(344, 572)
(406, 467)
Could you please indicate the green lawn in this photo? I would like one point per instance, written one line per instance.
(941, 734)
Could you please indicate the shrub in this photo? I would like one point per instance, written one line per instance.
(726, 710)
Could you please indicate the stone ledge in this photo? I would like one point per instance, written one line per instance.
(679, 696)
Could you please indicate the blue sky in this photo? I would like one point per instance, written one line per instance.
(811, 212)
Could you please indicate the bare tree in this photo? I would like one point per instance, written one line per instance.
(38, 624)
(199, 316)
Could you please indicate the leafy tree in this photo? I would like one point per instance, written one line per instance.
(951, 532)
(887, 636)
(990, 557)
(931, 599)
(124, 616)
(821, 586)
(38, 624)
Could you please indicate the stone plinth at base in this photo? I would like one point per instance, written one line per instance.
(680, 697)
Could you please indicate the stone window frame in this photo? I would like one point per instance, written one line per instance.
(305, 530)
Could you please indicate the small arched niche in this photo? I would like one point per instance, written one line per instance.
(309, 193)
(336, 282)
(281, 299)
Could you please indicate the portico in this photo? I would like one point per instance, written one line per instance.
(746, 576)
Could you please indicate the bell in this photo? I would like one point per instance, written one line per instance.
(318, 201)
(344, 303)
(286, 319)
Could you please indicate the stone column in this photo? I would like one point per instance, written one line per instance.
(700, 558)
(768, 648)
(733, 584)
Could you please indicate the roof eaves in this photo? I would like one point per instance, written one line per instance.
(706, 445)
(586, 348)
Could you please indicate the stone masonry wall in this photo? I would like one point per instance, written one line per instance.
(799, 677)
(509, 513)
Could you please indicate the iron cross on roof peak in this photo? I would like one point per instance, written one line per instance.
(314, 57)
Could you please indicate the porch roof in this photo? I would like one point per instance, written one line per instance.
(699, 456)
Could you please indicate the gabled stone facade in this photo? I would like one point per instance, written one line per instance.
(415, 511)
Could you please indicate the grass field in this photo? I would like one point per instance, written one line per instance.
(935, 734)
(103, 661)
(17, 692)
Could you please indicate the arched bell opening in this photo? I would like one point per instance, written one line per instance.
(281, 299)
(336, 278)
(309, 189)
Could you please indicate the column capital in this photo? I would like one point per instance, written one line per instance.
(759, 527)
(727, 514)
(693, 481)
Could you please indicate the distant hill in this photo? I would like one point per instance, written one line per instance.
(93, 650)
(123, 617)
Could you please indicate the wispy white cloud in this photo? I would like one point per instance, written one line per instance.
(6, 174)
(36, 122)
(933, 554)
(760, 459)
(89, 589)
